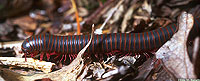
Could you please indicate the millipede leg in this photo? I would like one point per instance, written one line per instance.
(31, 54)
(74, 56)
(65, 57)
(148, 55)
(101, 56)
(70, 58)
(25, 57)
(53, 53)
(57, 55)
(41, 56)
(48, 56)
(127, 54)
(62, 58)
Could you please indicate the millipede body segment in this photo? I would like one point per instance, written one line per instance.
(125, 42)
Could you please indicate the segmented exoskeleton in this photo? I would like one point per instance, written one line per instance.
(125, 42)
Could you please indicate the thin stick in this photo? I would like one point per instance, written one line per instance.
(77, 17)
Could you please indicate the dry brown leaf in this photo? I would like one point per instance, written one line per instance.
(196, 56)
(25, 22)
(145, 70)
(174, 54)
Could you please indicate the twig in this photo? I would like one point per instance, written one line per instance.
(77, 17)
(96, 15)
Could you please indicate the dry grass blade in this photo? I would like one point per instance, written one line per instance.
(99, 31)
(174, 54)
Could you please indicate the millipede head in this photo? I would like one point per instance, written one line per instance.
(25, 47)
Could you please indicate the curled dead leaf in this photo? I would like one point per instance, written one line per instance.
(174, 54)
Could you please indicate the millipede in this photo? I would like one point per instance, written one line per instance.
(124, 42)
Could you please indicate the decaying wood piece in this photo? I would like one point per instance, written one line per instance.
(15, 45)
(10, 44)
(174, 54)
(30, 63)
